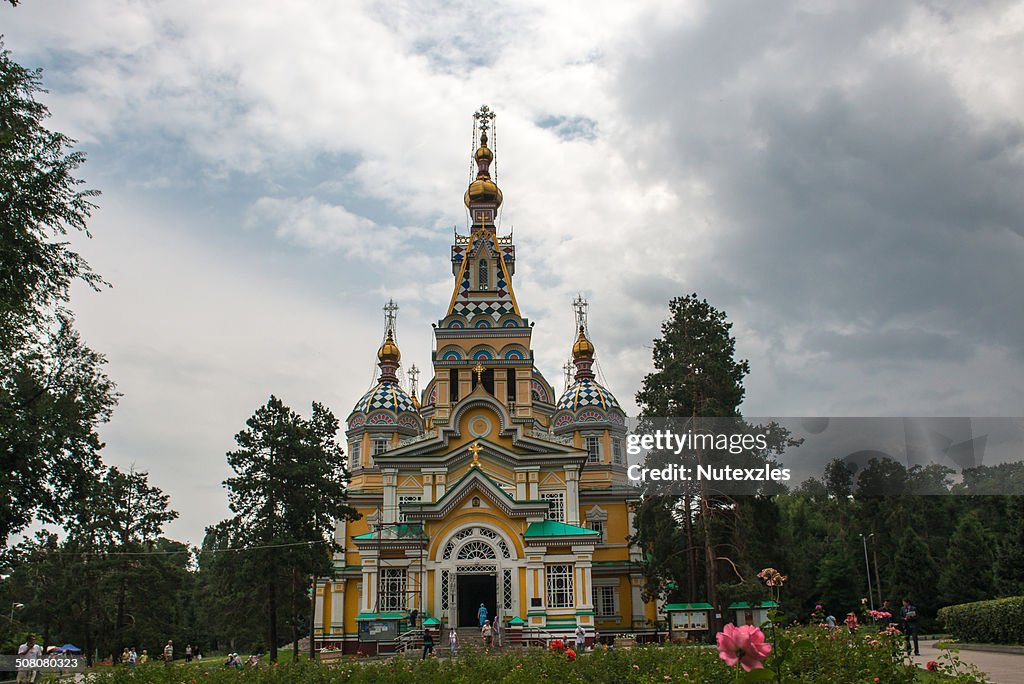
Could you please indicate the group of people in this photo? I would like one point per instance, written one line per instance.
(905, 621)
(131, 657)
(234, 660)
(490, 630)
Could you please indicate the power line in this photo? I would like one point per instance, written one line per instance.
(174, 553)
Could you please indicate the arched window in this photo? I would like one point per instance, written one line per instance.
(483, 275)
(476, 550)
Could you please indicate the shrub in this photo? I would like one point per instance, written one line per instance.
(824, 656)
(1000, 621)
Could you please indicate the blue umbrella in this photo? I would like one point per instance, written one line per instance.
(70, 648)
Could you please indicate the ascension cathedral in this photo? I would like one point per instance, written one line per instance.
(486, 487)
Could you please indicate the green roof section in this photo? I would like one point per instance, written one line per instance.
(745, 604)
(430, 622)
(673, 607)
(553, 528)
(380, 616)
(517, 621)
(393, 533)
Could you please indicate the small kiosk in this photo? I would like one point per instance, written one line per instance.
(755, 614)
(686, 618)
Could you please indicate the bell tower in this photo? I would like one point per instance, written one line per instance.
(483, 339)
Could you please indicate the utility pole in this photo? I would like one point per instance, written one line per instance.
(867, 569)
(312, 619)
(878, 581)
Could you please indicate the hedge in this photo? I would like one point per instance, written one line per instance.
(1000, 621)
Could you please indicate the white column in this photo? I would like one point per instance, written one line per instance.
(390, 478)
(338, 604)
(572, 494)
(637, 601)
(321, 597)
(584, 579)
(369, 585)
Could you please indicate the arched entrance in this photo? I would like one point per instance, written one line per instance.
(476, 566)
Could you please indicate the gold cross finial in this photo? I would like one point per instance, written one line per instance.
(479, 370)
(476, 449)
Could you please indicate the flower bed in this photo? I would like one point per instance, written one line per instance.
(806, 655)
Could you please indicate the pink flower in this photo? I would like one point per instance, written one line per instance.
(744, 645)
(817, 607)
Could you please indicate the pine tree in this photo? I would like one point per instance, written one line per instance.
(1009, 562)
(913, 572)
(53, 391)
(967, 573)
(695, 374)
(288, 492)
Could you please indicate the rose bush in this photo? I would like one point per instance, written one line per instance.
(810, 655)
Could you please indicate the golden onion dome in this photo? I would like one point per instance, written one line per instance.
(483, 190)
(483, 153)
(583, 348)
(388, 352)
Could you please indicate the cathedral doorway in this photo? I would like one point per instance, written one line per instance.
(471, 591)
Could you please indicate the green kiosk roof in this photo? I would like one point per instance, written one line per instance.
(553, 528)
(671, 607)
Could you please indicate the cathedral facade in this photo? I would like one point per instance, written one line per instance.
(486, 488)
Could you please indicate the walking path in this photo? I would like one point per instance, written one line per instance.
(1002, 668)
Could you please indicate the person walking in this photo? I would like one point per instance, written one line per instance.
(908, 616)
(453, 641)
(169, 652)
(413, 614)
(581, 638)
(428, 643)
(496, 627)
(487, 632)
(481, 615)
(188, 653)
(29, 650)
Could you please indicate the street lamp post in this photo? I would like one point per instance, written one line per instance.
(867, 569)
(15, 606)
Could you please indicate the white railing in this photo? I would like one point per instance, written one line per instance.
(414, 638)
(550, 437)
(429, 434)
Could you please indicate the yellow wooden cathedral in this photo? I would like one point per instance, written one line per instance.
(487, 489)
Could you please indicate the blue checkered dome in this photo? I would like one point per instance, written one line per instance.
(386, 395)
(586, 393)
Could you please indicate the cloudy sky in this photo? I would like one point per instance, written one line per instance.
(844, 179)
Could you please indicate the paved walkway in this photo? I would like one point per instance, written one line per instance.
(1002, 668)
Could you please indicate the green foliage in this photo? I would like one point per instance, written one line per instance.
(1008, 568)
(664, 545)
(967, 573)
(112, 581)
(822, 657)
(39, 197)
(1000, 621)
(53, 392)
(695, 371)
(913, 572)
(288, 492)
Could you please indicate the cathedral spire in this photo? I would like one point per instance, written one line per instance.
(583, 350)
(483, 196)
(388, 356)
